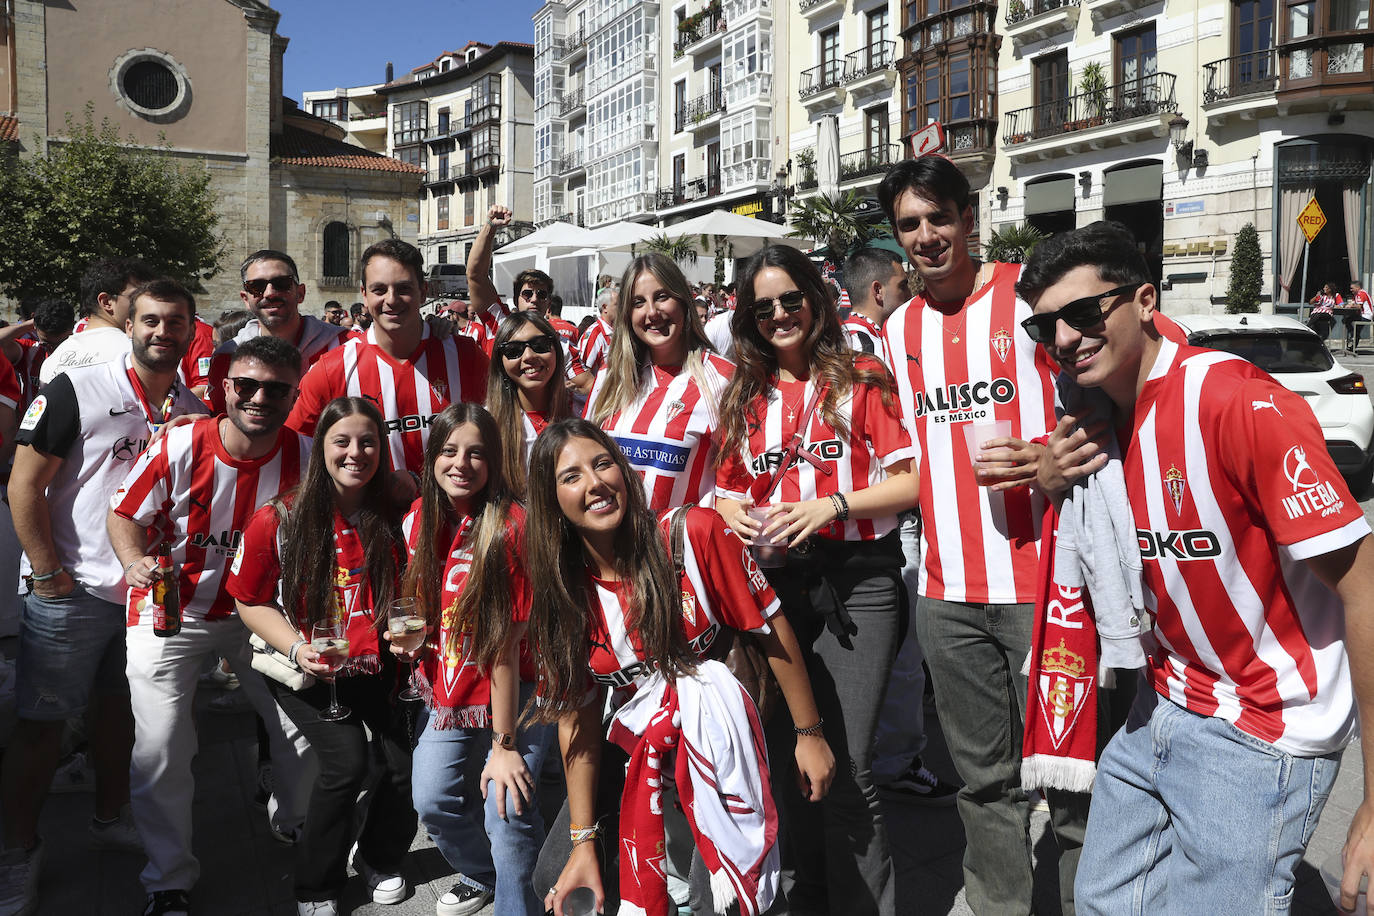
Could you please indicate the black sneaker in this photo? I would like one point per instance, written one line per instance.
(923, 787)
(461, 900)
(168, 903)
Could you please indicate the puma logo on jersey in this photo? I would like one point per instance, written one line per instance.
(1269, 404)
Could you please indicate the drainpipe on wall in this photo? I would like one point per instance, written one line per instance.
(13, 62)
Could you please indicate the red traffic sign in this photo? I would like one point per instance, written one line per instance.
(929, 139)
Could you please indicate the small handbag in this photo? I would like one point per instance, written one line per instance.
(268, 662)
(738, 651)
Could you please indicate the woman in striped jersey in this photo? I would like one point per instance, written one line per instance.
(469, 584)
(622, 600)
(525, 389)
(659, 394)
(812, 430)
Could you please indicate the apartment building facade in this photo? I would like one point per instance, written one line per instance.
(1187, 119)
(359, 110)
(467, 119)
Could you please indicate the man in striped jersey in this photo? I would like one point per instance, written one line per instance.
(961, 361)
(195, 489)
(407, 370)
(1260, 571)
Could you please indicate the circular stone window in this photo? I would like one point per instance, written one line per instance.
(151, 84)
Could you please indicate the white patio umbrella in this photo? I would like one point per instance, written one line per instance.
(744, 234)
(554, 235)
(622, 236)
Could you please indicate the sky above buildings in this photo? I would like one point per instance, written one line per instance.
(337, 43)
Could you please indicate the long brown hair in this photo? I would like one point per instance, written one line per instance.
(308, 556)
(829, 358)
(557, 567)
(627, 356)
(503, 399)
(484, 606)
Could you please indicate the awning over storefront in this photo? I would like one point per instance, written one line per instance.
(1050, 196)
(1134, 185)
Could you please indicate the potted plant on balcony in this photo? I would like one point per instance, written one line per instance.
(1092, 83)
(1016, 11)
(806, 162)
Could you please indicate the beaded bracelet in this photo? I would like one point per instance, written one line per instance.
(841, 506)
(810, 731)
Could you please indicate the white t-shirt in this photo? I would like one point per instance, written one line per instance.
(89, 348)
(718, 332)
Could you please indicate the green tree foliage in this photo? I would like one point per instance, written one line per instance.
(91, 197)
(1013, 244)
(1247, 265)
(680, 249)
(839, 221)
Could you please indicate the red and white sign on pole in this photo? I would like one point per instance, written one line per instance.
(929, 139)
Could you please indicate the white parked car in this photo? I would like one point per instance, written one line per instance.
(1298, 359)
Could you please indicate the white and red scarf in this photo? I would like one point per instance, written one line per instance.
(706, 728)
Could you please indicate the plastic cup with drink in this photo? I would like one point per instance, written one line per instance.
(975, 434)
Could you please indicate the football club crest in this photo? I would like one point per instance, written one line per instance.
(675, 407)
(1062, 690)
(689, 608)
(1001, 342)
(440, 390)
(1174, 485)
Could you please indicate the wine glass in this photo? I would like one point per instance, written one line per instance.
(407, 631)
(330, 639)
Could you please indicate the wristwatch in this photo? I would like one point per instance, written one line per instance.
(503, 740)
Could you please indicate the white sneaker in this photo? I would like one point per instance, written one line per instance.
(119, 834)
(384, 888)
(75, 775)
(19, 879)
(462, 900)
(317, 908)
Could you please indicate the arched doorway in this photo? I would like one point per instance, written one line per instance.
(1336, 171)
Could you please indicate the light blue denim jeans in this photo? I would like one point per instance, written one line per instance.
(487, 853)
(1192, 815)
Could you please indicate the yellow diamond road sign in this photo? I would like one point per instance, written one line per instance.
(1311, 219)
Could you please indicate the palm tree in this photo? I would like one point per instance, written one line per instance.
(679, 249)
(1013, 244)
(840, 221)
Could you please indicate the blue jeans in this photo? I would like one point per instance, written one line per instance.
(487, 852)
(1192, 815)
(975, 653)
(68, 647)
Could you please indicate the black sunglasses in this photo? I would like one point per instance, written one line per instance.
(246, 387)
(514, 349)
(531, 294)
(1080, 314)
(283, 284)
(791, 303)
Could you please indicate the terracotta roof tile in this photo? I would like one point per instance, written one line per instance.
(295, 146)
(9, 129)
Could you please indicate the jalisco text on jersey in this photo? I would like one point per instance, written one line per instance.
(961, 396)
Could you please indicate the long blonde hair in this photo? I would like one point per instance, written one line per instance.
(627, 357)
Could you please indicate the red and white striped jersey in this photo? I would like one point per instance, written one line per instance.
(187, 488)
(1233, 491)
(533, 423)
(876, 440)
(595, 344)
(862, 334)
(408, 392)
(313, 339)
(80, 325)
(483, 331)
(1366, 305)
(722, 586)
(976, 365)
(667, 433)
(1325, 304)
(194, 370)
(565, 329)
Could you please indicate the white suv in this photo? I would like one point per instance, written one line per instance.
(1298, 359)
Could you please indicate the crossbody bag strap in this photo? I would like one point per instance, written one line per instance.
(677, 536)
(794, 447)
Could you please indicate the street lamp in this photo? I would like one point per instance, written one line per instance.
(1178, 131)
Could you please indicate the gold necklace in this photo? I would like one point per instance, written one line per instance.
(954, 335)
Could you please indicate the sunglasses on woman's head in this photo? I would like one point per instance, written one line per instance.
(246, 387)
(514, 349)
(791, 303)
(1080, 314)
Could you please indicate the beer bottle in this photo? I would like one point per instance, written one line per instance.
(165, 595)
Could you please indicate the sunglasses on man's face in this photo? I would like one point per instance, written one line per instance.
(514, 349)
(246, 388)
(529, 294)
(1080, 314)
(283, 284)
(791, 303)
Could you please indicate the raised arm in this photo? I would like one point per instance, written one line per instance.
(481, 290)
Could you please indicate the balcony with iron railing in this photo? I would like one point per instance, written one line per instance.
(698, 112)
(1121, 113)
(444, 173)
(445, 130)
(700, 32)
(1036, 20)
(570, 45)
(689, 191)
(812, 8)
(822, 83)
(571, 161)
(1240, 86)
(871, 65)
(571, 101)
(866, 163)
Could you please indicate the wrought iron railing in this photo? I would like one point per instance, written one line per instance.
(686, 192)
(1021, 10)
(569, 101)
(707, 22)
(821, 77)
(698, 110)
(569, 44)
(867, 162)
(881, 55)
(1244, 74)
(1148, 95)
(569, 161)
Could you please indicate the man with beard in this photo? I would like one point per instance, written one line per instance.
(196, 488)
(77, 441)
(273, 292)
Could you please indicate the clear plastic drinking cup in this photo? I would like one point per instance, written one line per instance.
(769, 551)
(581, 902)
(978, 432)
